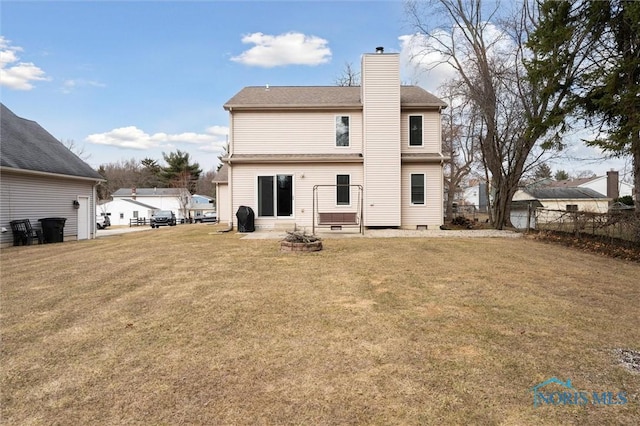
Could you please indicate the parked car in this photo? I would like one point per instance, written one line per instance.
(102, 221)
(207, 217)
(163, 218)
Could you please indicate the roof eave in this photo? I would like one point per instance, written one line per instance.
(49, 174)
(308, 107)
(292, 159)
(426, 159)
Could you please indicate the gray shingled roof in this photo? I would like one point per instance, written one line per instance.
(148, 192)
(138, 203)
(570, 183)
(26, 146)
(222, 176)
(299, 97)
(546, 193)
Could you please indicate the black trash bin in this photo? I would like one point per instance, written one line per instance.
(53, 229)
(246, 219)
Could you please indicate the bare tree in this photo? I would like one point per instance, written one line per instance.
(77, 150)
(488, 57)
(461, 131)
(223, 154)
(205, 185)
(349, 76)
(183, 181)
(122, 174)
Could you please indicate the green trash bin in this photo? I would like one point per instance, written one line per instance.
(53, 229)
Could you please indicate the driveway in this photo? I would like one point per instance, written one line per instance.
(120, 230)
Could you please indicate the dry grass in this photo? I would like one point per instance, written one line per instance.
(179, 326)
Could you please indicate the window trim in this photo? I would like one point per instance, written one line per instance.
(424, 189)
(335, 131)
(409, 130)
(275, 175)
(348, 186)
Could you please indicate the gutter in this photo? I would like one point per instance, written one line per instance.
(49, 174)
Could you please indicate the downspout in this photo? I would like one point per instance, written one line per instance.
(230, 172)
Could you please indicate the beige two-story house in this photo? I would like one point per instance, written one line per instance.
(324, 156)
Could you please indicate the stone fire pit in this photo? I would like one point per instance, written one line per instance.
(299, 241)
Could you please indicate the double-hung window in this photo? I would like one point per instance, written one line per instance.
(415, 130)
(343, 190)
(342, 130)
(417, 188)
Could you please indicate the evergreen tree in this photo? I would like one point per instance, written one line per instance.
(180, 170)
(543, 171)
(603, 38)
(561, 175)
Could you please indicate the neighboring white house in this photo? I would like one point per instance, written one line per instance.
(369, 153)
(556, 200)
(583, 194)
(476, 195)
(122, 210)
(608, 185)
(140, 203)
(41, 178)
(201, 204)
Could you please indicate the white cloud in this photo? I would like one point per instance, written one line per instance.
(285, 49)
(133, 138)
(14, 74)
(70, 85)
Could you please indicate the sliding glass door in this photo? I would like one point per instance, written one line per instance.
(275, 195)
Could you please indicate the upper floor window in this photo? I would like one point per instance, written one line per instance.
(415, 130)
(343, 190)
(572, 207)
(342, 130)
(417, 188)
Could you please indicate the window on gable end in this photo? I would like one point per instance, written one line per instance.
(415, 130)
(342, 130)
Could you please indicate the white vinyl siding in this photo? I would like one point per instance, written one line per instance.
(293, 133)
(222, 202)
(430, 132)
(305, 177)
(381, 123)
(431, 212)
(24, 196)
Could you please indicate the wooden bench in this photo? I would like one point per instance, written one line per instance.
(24, 233)
(338, 219)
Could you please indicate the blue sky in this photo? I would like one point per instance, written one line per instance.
(161, 71)
(130, 80)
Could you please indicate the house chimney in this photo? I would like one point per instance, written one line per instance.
(612, 185)
(380, 49)
(133, 193)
